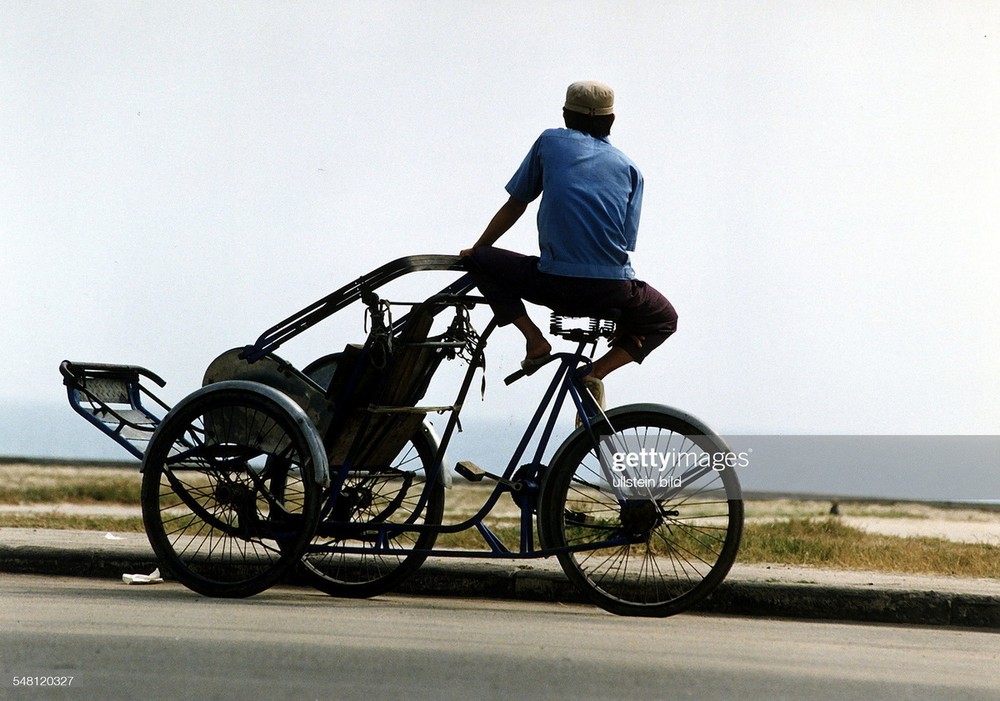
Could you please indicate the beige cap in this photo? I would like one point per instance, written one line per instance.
(590, 97)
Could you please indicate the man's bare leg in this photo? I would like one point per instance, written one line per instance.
(603, 366)
(535, 344)
(609, 362)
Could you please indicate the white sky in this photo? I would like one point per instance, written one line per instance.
(822, 186)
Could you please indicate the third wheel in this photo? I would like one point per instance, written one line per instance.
(362, 548)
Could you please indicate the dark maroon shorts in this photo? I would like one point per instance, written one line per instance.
(505, 278)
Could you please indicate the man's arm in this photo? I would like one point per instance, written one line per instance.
(506, 216)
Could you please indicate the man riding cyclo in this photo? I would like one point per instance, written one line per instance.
(588, 222)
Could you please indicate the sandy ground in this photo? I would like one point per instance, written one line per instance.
(963, 531)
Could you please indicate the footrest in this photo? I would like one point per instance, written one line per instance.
(470, 471)
(111, 398)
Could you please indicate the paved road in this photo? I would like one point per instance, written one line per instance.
(163, 642)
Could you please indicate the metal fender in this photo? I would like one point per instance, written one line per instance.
(629, 408)
(321, 469)
(432, 437)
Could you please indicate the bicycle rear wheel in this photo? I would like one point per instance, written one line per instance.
(229, 499)
(643, 535)
(368, 508)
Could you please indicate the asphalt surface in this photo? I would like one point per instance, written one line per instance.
(753, 590)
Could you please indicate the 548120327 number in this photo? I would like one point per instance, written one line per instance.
(52, 680)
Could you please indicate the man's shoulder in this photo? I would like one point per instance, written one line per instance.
(557, 134)
(571, 136)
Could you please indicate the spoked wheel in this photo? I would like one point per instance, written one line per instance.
(651, 518)
(229, 498)
(356, 551)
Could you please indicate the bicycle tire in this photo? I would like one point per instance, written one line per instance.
(387, 496)
(229, 495)
(646, 552)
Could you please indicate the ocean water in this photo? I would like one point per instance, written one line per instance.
(52, 431)
(929, 468)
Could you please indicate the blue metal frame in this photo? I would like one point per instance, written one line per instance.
(565, 382)
(77, 375)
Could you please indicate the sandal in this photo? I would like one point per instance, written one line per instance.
(530, 365)
(596, 389)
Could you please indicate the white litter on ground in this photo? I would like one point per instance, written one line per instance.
(151, 578)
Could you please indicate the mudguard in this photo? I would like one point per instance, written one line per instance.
(321, 470)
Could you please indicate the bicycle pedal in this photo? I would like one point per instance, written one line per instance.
(470, 471)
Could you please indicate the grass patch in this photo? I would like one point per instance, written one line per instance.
(828, 543)
(66, 485)
(115, 524)
(823, 542)
(103, 491)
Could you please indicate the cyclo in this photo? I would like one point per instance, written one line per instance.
(335, 468)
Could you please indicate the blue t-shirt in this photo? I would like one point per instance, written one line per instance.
(588, 218)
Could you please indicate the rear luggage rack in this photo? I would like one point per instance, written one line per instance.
(111, 397)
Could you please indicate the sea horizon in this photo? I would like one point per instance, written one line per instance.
(906, 467)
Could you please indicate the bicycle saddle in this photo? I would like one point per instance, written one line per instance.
(600, 324)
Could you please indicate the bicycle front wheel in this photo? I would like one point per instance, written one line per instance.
(649, 519)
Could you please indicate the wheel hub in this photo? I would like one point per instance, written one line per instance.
(243, 502)
(351, 501)
(639, 518)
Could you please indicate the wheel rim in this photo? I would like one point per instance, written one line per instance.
(224, 499)
(652, 550)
